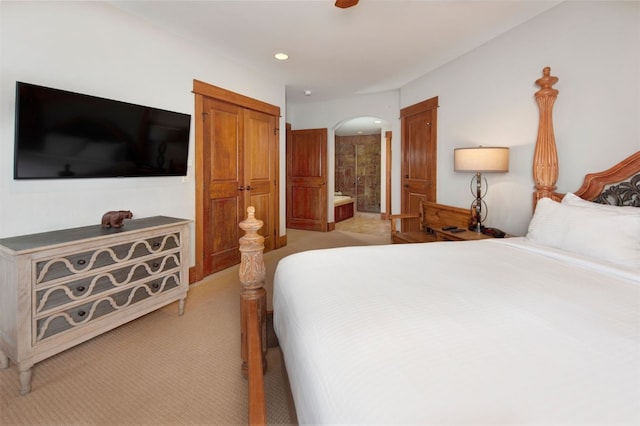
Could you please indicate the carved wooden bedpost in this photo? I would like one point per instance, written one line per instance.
(252, 272)
(545, 158)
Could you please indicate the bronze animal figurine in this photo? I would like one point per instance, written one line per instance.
(115, 218)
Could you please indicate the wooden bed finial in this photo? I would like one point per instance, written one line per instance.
(252, 273)
(252, 270)
(545, 157)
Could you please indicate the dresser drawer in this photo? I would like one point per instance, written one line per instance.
(81, 314)
(54, 268)
(70, 290)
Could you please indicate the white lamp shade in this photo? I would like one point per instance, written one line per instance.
(481, 159)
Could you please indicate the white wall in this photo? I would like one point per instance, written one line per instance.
(96, 49)
(487, 98)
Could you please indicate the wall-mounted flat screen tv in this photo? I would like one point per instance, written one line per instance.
(64, 135)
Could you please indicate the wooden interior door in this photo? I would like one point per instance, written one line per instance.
(307, 180)
(260, 171)
(419, 161)
(223, 177)
(236, 165)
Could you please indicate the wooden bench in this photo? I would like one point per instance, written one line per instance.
(432, 217)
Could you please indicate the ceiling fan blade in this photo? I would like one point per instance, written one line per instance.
(343, 4)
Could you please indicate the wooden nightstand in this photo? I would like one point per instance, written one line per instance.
(431, 216)
(466, 235)
(413, 237)
(434, 218)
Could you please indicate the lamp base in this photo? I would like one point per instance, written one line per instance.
(475, 225)
(478, 207)
(476, 228)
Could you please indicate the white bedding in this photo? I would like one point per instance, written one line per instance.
(482, 332)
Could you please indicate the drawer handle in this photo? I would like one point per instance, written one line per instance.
(155, 285)
(81, 261)
(155, 264)
(156, 244)
(81, 313)
(80, 289)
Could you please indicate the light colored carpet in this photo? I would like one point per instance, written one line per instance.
(366, 223)
(164, 369)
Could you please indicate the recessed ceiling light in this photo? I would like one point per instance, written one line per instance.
(377, 121)
(281, 56)
(307, 92)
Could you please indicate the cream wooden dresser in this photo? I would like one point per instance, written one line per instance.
(61, 288)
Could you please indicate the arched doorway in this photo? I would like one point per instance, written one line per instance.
(362, 166)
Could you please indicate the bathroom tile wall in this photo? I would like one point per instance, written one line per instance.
(358, 171)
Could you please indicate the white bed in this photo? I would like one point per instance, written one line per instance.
(541, 329)
(438, 338)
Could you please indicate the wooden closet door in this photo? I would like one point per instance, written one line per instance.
(260, 171)
(236, 159)
(418, 171)
(223, 176)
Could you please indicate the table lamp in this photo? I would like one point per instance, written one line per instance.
(480, 160)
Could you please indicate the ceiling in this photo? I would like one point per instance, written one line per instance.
(378, 45)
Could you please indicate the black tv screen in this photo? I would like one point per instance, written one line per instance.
(61, 135)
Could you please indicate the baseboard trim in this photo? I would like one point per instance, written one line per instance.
(282, 241)
(192, 275)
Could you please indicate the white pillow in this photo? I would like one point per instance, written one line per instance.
(590, 232)
(573, 200)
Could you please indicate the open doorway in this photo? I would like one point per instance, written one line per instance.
(360, 173)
